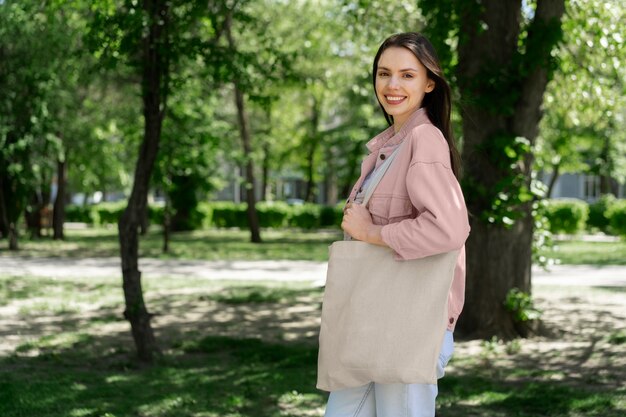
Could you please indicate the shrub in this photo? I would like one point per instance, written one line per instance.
(306, 216)
(598, 213)
(521, 305)
(107, 213)
(228, 214)
(331, 216)
(566, 216)
(273, 214)
(617, 217)
(78, 214)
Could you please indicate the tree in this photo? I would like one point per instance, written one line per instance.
(505, 60)
(31, 47)
(148, 51)
(583, 128)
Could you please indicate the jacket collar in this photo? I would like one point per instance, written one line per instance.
(389, 138)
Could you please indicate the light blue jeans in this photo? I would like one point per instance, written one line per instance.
(391, 400)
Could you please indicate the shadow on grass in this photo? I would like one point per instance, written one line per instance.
(222, 376)
(212, 376)
(488, 397)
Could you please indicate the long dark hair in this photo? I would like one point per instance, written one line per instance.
(438, 102)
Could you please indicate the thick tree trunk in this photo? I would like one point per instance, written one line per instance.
(154, 67)
(499, 257)
(244, 130)
(58, 214)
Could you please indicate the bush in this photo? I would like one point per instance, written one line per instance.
(78, 214)
(598, 213)
(331, 216)
(273, 214)
(566, 216)
(107, 213)
(228, 214)
(305, 216)
(617, 217)
(221, 214)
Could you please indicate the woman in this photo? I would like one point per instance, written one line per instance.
(418, 208)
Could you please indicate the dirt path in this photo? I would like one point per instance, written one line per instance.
(579, 275)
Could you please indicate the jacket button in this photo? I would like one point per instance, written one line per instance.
(451, 320)
(382, 156)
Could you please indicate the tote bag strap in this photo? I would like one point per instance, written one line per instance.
(379, 173)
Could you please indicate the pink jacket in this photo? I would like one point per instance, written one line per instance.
(419, 201)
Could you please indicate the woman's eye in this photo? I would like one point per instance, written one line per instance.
(408, 75)
(382, 74)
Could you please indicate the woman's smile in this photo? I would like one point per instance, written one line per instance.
(393, 100)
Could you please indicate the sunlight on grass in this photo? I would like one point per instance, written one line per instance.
(210, 244)
(588, 253)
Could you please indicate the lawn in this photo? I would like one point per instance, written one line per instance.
(234, 244)
(576, 252)
(234, 349)
(211, 244)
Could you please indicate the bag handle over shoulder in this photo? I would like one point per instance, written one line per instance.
(379, 173)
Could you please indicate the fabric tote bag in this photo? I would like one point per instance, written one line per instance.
(383, 320)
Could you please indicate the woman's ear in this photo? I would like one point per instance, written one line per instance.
(430, 86)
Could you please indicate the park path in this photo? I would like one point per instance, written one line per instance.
(577, 275)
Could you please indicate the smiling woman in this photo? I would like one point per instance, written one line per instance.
(401, 83)
(408, 199)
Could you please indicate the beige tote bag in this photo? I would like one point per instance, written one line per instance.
(383, 320)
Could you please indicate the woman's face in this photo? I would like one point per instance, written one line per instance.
(401, 83)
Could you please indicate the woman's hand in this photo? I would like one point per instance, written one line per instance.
(357, 222)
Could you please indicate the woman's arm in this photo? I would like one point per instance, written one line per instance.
(442, 224)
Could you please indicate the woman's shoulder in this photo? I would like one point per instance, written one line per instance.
(429, 145)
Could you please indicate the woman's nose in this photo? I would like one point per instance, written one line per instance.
(393, 82)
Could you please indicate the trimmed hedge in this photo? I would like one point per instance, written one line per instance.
(566, 215)
(617, 217)
(222, 214)
(598, 213)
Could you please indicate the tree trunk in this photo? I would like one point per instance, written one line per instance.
(244, 130)
(13, 235)
(4, 221)
(58, 215)
(154, 72)
(330, 181)
(498, 256)
(167, 221)
(312, 144)
(33, 214)
(10, 211)
(266, 171)
(556, 168)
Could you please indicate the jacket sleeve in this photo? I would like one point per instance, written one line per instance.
(441, 224)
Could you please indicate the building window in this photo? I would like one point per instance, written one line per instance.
(592, 187)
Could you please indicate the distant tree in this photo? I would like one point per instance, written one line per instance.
(31, 49)
(583, 128)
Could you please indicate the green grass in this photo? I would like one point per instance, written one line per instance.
(227, 377)
(588, 253)
(233, 244)
(211, 377)
(212, 244)
(76, 369)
